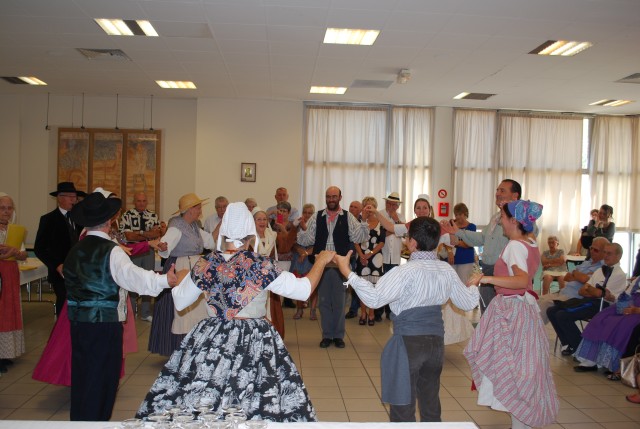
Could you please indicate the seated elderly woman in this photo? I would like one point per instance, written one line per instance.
(605, 339)
(235, 356)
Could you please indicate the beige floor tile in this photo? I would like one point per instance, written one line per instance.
(323, 392)
(320, 381)
(375, 356)
(31, 414)
(455, 416)
(46, 402)
(329, 404)
(119, 415)
(26, 389)
(450, 404)
(317, 372)
(359, 404)
(371, 416)
(621, 425)
(633, 412)
(4, 412)
(470, 404)
(332, 416)
(608, 414)
(461, 392)
(13, 401)
(350, 372)
(592, 425)
(448, 381)
(566, 415)
(315, 363)
(346, 363)
(585, 401)
(131, 403)
(571, 391)
(490, 417)
(358, 392)
(617, 401)
(355, 382)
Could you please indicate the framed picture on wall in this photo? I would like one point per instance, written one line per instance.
(248, 172)
(73, 158)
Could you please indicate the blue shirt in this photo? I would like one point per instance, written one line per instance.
(571, 288)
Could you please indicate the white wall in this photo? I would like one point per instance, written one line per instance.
(230, 132)
(204, 143)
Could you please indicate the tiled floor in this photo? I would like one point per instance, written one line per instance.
(344, 384)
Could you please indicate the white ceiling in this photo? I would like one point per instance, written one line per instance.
(272, 49)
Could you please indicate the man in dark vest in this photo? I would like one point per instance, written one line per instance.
(332, 229)
(94, 271)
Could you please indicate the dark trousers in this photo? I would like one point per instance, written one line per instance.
(355, 302)
(331, 295)
(487, 291)
(426, 357)
(386, 309)
(564, 322)
(61, 294)
(96, 361)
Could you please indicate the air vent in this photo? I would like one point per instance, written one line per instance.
(15, 80)
(475, 96)
(113, 54)
(371, 84)
(633, 78)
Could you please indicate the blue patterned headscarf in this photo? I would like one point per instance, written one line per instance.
(525, 212)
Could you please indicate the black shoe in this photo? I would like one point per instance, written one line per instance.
(568, 351)
(288, 303)
(377, 318)
(6, 362)
(326, 342)
(350, 315)
(3, 369)
(580, 368)
(339, 342)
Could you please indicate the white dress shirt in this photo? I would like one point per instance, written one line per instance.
(418, 283)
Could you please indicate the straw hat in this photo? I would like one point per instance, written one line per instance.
(189, 200)
(393, 197)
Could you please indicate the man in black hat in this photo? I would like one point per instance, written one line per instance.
(55, 237)
(94, 271)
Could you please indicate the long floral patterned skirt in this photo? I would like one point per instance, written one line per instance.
(238, 361)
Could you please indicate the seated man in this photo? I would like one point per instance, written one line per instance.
(575, 279)
(599, 286)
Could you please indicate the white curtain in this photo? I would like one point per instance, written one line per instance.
(410, 155)
(474, 162)
(543, 153)
(613, 151)
(345, 147)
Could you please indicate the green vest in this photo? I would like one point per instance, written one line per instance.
(92, 294)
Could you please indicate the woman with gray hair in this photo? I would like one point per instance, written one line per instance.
(235, 357)
(11, 332)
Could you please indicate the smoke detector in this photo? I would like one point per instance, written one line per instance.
(403, 76)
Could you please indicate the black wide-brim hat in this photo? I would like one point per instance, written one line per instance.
(67, 187)
(95, 210)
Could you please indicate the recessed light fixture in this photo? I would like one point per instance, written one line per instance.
(561, 47)
(176, 84)
(126, 27)
(350, 36)
(610, 103)
(328, 90)
(23, 80)
(472, 96)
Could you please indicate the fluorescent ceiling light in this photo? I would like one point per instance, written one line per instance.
(32, 80)
(175, 84)
(327, 90)
(461, 96)
(349, 36)
(561, 47)
(610, 103)
(126, 27)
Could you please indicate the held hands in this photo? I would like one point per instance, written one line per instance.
(126, 249)
(174, 278)
(162, 246)
(448, 226)
(343, 262)
(325, 257)
(8, 251)
(474, 279)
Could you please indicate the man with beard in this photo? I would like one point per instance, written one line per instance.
(332, 229)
